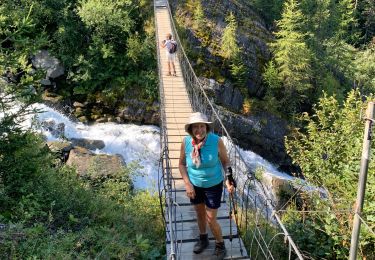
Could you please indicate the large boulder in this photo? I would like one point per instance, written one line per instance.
(60, 146)
(94, 166)
(280, 189)
(43, 60)
(56, 129)
(88, 143)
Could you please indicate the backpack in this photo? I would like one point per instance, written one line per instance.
(173, 47)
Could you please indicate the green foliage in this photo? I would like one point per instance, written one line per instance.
(270, 9)
(51, 213)
(232, 52)
(239, 72)
(329, 154)
(366, 17)
(271, 76)
(365, 70)
(331, 86)
(17, 42)
(292, 56)
(229, 46)
(199, 18)
(339, 59)
(103, 16)
(347, 26)
(252, 220)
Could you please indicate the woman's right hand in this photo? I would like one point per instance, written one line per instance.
(190, 192)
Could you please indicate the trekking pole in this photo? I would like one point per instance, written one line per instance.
(230, 225)
(235, 218)
(230, 220)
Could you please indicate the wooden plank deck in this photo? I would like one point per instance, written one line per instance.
(178, 108)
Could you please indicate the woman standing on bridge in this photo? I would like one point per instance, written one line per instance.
(202, 157)
(171, 55)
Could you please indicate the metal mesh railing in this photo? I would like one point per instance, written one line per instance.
(167, 192)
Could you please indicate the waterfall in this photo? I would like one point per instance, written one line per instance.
(132, 142)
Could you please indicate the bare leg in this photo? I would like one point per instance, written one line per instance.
(169, 67)
(174, 68)
(214, 225)
(200, 209)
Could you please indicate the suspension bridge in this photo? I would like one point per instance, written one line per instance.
(246, 215)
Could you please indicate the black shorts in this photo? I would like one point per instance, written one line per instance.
(210, 196)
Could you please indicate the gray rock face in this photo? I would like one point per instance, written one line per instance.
(58, 146)
(225, 95)
(43, 60)
(88, 144)
(252, 37)
(138, 111)
(57, 130)
(45, 82)
(262, 134)
(94, 166)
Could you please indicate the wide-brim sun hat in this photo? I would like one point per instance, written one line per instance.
(195, 118)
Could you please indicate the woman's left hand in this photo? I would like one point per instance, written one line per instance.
(230, 187)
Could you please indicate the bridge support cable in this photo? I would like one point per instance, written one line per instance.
(257, 216)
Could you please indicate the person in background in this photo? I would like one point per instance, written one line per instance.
(202, 156)
(171, 57)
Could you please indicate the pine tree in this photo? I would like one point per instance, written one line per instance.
(292, 56)
(367, 16)
(229, 46)
(232, 52)
(347, 26)
(365, 70)
(199, 20)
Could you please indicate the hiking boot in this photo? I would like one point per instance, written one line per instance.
(201, 244)
(168, 74)
(219, 252)
(174, 74)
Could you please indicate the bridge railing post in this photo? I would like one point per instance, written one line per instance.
(362, 181)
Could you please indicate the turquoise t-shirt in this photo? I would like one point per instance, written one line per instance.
(209, 172)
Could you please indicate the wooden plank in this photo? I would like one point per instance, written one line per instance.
(178, 92)
(184, 104)
(178, 184)
(171, 117)
(174, 154)
(187, 213)
(175, 126)
(176, 120)
(233, 250)
(176, 138)
(186, 231)
(174, 162)
(168, 95)
(176, 132)
(174, 146)
(176, 96)
(177, 103)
